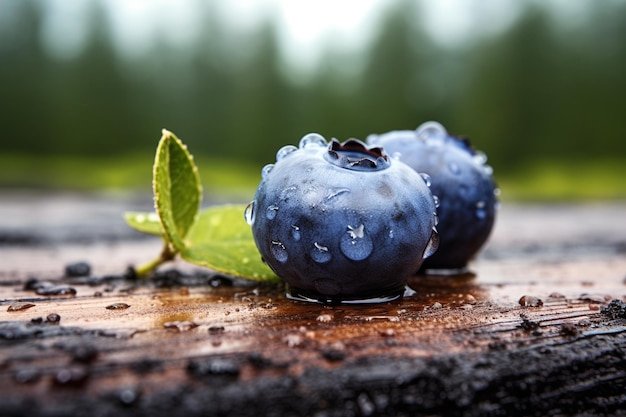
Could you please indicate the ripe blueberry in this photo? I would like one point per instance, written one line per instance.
(460, 179)
(341, 222)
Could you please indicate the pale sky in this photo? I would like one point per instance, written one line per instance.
(304, 25)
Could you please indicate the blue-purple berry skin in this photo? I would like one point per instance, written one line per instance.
(461, 180)
(342, 222)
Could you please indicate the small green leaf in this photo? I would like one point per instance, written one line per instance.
(177, 189)
(221, 240)
(144, 222)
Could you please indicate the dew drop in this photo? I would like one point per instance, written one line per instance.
(355, 244)
(356, 233)
(248, 213)
(266, 170)
(435, 219)
(426, 178)
(320, 253)
(284, 151)
(464, 190)
(390, 234)
(488, 169)
(279, 251)
(479, 157)
(312, 140)
(481, 212)
(271, 211)
(497, 192)
(396, 155)
(454, 168)
(295, 232)
(334, 192)
(433, 244)
(286, 193)
(436, 201)
(431, 131)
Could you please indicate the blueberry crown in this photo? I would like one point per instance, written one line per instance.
(356, 155)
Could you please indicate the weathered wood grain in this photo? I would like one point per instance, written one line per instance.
(193, 343)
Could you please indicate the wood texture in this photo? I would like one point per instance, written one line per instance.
(191, 342)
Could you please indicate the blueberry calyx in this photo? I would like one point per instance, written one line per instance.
(356, 155)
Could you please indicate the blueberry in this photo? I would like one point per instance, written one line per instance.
(77, 269)
(341, 222)
(462, 182)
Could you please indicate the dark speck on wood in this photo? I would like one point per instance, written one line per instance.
(117, 306)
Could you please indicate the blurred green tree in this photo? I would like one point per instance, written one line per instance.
(543, 89)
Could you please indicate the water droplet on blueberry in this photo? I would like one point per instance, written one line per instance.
(396, 156)
(436, 201)
(270, 213)
(431, 130)
(426, 178)
(312, 140)
(435, 219)
(464, 190)
(279, 251)
(295, 232)
(481, 211)
(285, 194)
(334, 192)
(356, 232)
(248, 213)
(479, 157)
(284, 151)
(320, 253)
(454, 168)
(432, 245)
(266, 170)
(355, 244)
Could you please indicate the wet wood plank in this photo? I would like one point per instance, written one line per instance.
(194, 343)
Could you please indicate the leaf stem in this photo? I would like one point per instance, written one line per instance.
(167, 254)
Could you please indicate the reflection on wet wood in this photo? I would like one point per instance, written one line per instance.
(201, 344)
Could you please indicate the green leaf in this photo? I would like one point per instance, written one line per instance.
(177, 189)
(144, 222)
(221, 240)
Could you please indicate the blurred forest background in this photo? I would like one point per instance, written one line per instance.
(543, 96)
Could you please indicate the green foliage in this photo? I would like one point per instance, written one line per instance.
(221, 239)
(144, 222)
(216, 237)
(550, 181)
(544, 89)
(232, 180)
(177, 190)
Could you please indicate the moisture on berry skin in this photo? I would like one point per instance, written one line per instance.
(462, 181)
(341, 222)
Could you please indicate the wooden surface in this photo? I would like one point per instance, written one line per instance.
(191, 342)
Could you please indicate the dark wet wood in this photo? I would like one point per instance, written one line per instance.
(202, 345)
